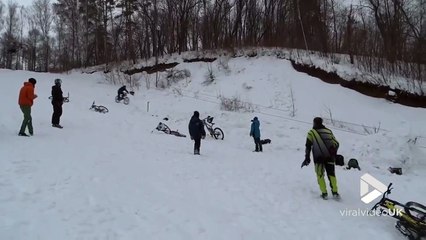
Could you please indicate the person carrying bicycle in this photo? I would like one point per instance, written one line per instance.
(324, 148)
(121, 92)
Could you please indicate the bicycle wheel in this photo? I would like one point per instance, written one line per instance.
(116, 99)
(102, 109)
(416, 211)
(126, 100)
(218, 133)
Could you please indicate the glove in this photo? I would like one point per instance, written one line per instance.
(204, 136)
(306, 162)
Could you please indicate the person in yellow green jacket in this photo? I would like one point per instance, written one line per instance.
(324, 148)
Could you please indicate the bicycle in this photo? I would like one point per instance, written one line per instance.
(217, 133)
(164, 128)
(411, 216)
(124, 98)
(98, 108)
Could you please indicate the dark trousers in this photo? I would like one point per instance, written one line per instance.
(57, 113)
(258, 144)
(27, 122)
(197, 144)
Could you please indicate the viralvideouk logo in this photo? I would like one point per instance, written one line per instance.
(368, 195)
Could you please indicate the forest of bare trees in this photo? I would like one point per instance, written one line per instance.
(66, 34)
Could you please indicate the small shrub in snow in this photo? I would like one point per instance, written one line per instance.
(413, 140)
(147, 78)
(162, 84)
(174, 75)
(117, 77)
(210, 76)
(234, 104)
(177, 91)
(247, 87)
(252, 53)
(224, 65)
(371, 130)
(330, 115)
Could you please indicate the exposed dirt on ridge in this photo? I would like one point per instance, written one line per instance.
(402, 97)
(199, 60)
(161, 67)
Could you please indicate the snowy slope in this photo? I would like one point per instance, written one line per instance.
(112, 177)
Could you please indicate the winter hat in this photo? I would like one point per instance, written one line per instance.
(317, 121)
(196, 114)
(254, 119)
(32, 80)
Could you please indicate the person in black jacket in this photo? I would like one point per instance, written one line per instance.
(57, 101)
(196, 131)
(121, 92)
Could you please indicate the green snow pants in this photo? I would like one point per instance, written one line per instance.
(328, 167)
(27, 122)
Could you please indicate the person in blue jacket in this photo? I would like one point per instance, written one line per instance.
(255, 133)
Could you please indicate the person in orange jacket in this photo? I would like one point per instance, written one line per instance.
(26, 100)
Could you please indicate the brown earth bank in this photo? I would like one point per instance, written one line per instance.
(373, 90)
(401, 97)
(151, 69)
(199, 60)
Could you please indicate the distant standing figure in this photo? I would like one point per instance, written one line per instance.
(196, 131)
(255, 133)
(26, 100)
(57, 102)
(121, 92)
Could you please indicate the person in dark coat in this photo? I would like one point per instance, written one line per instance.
(196, 131)
(255, 133)
(57, 101)
(121, 92)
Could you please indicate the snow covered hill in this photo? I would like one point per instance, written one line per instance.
(112, 176)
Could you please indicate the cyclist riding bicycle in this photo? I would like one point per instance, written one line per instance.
(121, 92)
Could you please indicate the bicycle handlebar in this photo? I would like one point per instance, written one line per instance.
(388, 191)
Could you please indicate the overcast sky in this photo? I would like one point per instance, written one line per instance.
(27, 2)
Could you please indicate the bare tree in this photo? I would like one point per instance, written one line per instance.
(43, 18)
(10, 36)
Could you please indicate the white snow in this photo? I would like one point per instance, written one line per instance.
(112, 176)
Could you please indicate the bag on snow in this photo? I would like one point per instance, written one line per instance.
(340, 160)
(353, 163)
(265, 141)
